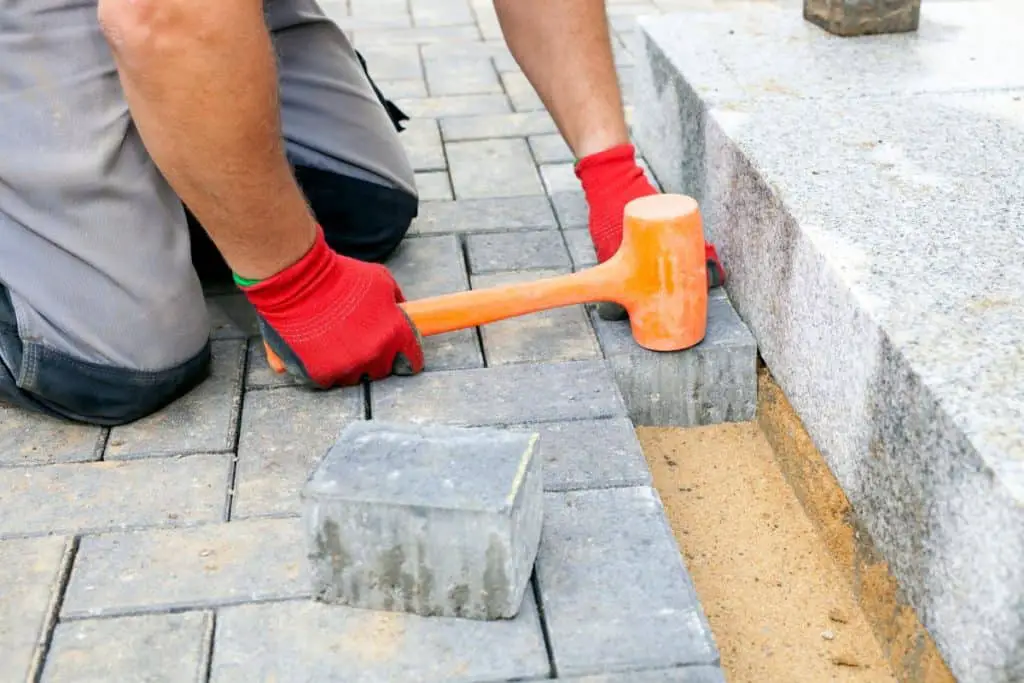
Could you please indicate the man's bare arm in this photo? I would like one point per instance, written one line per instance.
(201, 83)
(564, 50)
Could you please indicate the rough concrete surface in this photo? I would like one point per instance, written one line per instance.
(430, 520)
(864, 17)
(866, 198)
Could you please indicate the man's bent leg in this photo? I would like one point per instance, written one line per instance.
(102, 318)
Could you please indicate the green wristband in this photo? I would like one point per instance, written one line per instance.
(243, 282)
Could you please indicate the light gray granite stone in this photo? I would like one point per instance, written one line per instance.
(484, 215)
(710, 383)
(212, 565)
(31, 575)
(520, 124)
(533, 249)
(304, 640)
(500, 167)
(89, 497)
(283, 433)
(614, 588)
(510, 394)
(204, 420)
(28, 438)
(878, 266)
(425, 519)
(170, 648)
(863, 17)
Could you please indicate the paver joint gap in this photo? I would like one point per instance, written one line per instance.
(206, 657)
(464, 250)
(543, 624)
(53, 612)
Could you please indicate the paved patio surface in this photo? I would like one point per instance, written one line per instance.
(171, 549)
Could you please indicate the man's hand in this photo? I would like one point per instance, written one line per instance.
(334, 320)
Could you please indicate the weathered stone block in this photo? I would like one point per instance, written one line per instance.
(429, 520)
(713, 382)
(863, 17)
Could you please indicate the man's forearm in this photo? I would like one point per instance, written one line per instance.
(200, 81)
(564, 50)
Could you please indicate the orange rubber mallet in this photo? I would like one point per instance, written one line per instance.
(659, 275)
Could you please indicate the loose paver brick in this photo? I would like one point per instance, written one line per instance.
(581, 248)
(158, 570)
(431, 266)
(500, 167)
(82, 498)
(170, 648)
(614, 589)
(456, 128)
(433, 186)
(590, 454)
(203, 421)
(551, 336)
(284, 432)
(550, 148)
(511, 394)
(461, 77)
(485, 215)
(309, 641)
(31, 572)
(683, 674)
(534, 249)
(453, 105)
(425, 519)
(30, 439)
(521, 92)
(713, 382)
(421, 140)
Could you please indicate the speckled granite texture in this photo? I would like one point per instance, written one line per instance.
(867, 197)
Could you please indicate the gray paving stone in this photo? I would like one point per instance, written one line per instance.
(493, 168)
(383, 20)
(480, 49)
(496, 252)
(392, 62)
(615, 591)
(414, 36)
(581, 248)
(685, 674)
(453, 105)
(560, 178)
(550, 149)
(82, 498)
(547, 392)
(231, 317)
(441, 12)
(552, 336)
(461, 77)
(335, 9)
(309, 641)
(258, 374)
(430, 266)
(27, 438)
(203, 421)
(713, 382)
(434, 186)
(571, 209)
(159, 570)
(517, 125)
(31, 571)
(590, 454)
(284, 432)
(425, 519)
(170, 648)
(421, 140)
(403, 88)
(863, 17)
(485, 215)
(371, 8)
(521, 92)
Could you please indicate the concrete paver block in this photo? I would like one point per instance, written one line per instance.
(509, 394)
(685, 674)
(258, 374)
(571, 209)
(713, 382)
(30, 439)
(614, 589)
(424, 35)
(421, 140)
(498, 167)
(429, 520)
(392, 62)
(456, 128)
(581, 248)
(159, 570)
(231, 317)
(410, 88)
(83, 498)
(438, 13)
(485, 215)
(533, 249)
(551, 336)
(521, 92)
(283, 433)
(307, 640)
(461, 77)
(550, 149)
(863, 17)
(170, 648)
(454, 105)
(31, 572)
(434, 186)
(590, 454)
(203, 421)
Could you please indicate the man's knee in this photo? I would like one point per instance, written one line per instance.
(360, 218)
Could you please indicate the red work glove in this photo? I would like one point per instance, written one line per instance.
(611, 179)
(334, 320)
